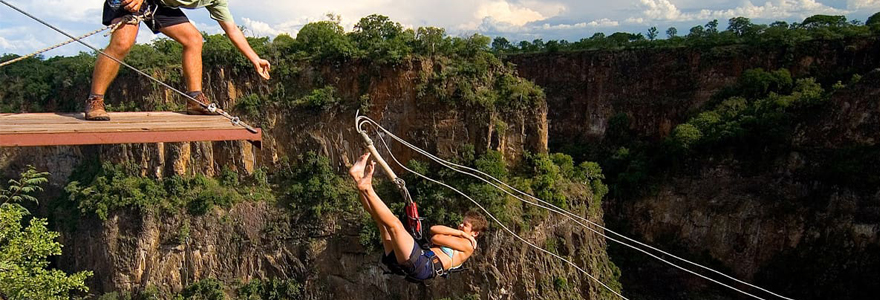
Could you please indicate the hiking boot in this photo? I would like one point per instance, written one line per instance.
(95, 109)
(195, 109)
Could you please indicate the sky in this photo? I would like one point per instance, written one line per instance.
(515, 19)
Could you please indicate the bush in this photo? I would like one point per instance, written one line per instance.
(310, 185)
(205, 289)
(113, 187)
(25, 250)
(324, 40)
(271, 289)
(382, 39)
(322, 98)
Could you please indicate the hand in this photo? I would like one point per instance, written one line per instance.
(263, 67)
(133, 5)
(470, 238)
(362, 173)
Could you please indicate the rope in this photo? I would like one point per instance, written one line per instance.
(128, 19)
(572, 216)
(18, 59)
(499, 222)
(213, 108)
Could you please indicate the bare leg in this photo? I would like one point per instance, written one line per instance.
(383, 232)
(187, 35)
(387, 244)
(400, 240)
(105, 68)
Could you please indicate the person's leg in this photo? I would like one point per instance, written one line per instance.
(105, 68)
(187, 35)
(400, 240)
(387, 245)
(383, 232)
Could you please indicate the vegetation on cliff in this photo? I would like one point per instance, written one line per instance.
(101, 189)
(740, 30)
(25, 250)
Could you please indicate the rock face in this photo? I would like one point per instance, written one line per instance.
(791, 224)
(659, 88)
(133, 251)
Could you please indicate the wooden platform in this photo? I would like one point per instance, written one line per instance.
(55, 129)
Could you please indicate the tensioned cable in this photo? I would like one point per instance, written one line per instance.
(212, 108)
(574, 216)
(558, 210)
(47, 49)
(499, 222)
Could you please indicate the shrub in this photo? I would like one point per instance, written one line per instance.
(321, 98)
(205, 289)
(310, 185)
(271, 289)
(25, 250)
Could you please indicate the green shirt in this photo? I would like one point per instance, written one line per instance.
(219, 9)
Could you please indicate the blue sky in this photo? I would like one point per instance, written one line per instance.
(515, 19)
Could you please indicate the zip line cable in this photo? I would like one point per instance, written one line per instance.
(501, 224)
(556, 209)
(212, 107)
(572, 216)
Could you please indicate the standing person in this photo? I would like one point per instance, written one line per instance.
(169, 20)
(402, 254)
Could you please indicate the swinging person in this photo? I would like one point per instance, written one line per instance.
(402, 254)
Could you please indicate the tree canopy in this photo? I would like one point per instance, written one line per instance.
(24, 250)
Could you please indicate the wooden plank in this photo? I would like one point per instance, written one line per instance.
(49, 129)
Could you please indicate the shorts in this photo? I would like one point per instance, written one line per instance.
(418, 267)
(165, 16)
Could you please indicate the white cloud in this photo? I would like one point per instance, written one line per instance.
(260, 28)
(592, 24)
(502, 11)
(67, 10)
(20, 39)
(862, 4)
(665, 10)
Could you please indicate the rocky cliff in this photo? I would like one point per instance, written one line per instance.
(660, 88)
(136, 251)
(797, 221)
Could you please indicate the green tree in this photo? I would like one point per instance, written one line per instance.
(740, 26)
(324, 39)
(552, 46)
(382, 39)
(696, 32)
(820, 21)
(526, 46)
(874, 22)
(712, 27)
(430, 40)
(24, 251)
(205, 289)
(652, 33)
(671, 32)
(501, 45)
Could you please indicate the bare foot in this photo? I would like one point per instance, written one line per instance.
(357, 170)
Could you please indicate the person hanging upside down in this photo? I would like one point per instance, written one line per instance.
(171, 21)
(402, 254)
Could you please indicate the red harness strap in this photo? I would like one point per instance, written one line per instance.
(413, 221)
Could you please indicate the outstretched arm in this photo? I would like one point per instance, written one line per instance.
(234, 33)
